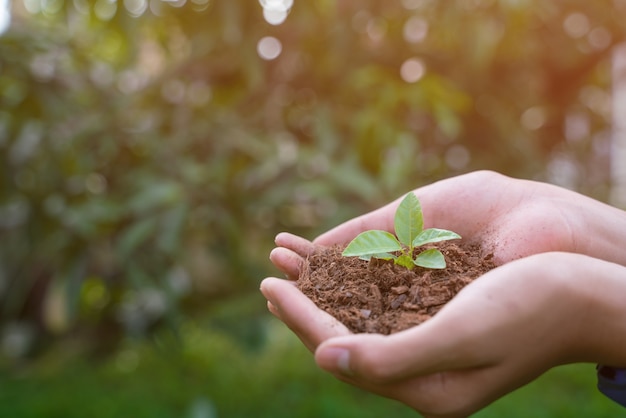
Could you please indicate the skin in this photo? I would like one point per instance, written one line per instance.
(556, 298)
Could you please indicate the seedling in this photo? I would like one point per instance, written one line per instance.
(410, 234)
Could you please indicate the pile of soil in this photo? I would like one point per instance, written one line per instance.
(382, 297)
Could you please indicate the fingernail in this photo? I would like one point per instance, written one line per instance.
(335, 358)
(273, 308)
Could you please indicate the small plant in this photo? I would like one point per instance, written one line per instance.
(410, 233)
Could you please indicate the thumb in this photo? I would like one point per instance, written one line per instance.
(370, 362)
(380, 358)
(448, 341)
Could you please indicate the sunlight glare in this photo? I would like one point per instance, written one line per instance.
(275, 11)
(274, 17)
(5, 16)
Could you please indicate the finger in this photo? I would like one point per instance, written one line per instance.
(300, 314)
(384, 359)
(455, 393)
(273, 310)
(298, 245)
(287, 261)
(267, 291)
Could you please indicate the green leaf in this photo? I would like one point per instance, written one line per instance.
(370, 243)
(381, 256)
(408, 221)
(432, 259)
(405, 261)
(431, 235)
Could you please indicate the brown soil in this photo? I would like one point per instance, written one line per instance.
(381, 297)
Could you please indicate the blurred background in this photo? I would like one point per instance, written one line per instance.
(151, 149)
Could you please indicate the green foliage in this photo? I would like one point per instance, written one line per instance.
(410, 233)
(141, 140)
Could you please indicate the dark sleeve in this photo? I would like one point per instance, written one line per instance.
(612, 383)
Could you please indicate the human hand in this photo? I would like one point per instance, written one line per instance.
(500, 332)
(513, 219)
(510, 217)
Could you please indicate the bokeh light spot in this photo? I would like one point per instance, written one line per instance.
(5, 16)
(95, 183)
(275, 11)
(360, 21)
(32, 6)
(276, 4)
(596, 99)
(274, 17)
(51, 7)
(413, 4)
(200, 5)
(533, 118)
(176, 3)
(269, 48)
(136, 7)
(412, 70)
(105, 9)
(415, 30)
(576, 25)
(377, 29)
(81, 6)
(457, 157)
(577, 126)
(599, 38)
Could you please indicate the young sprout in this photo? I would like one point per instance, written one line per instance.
(410, 234)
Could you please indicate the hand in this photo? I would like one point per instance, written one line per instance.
(500, 332)
(458, 362)
(510, 217)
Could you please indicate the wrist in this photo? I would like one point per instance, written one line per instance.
(600, 287)
(598, 230)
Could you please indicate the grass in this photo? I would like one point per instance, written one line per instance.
(210, 375)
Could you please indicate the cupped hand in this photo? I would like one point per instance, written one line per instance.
(508, 217)
(538, 309)
(500, 332)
